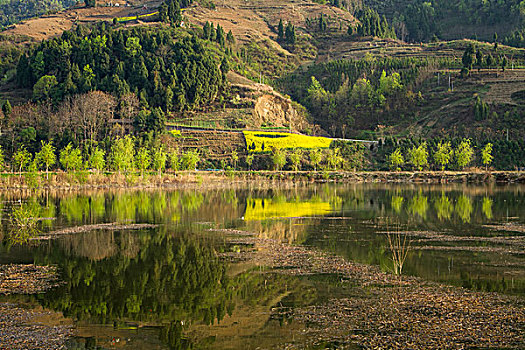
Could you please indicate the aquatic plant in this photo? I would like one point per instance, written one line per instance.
(23, 220)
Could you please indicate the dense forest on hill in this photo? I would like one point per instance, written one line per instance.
(358, 94)
(13, 11)
(417, 20)
(99, 81)
(164, 67)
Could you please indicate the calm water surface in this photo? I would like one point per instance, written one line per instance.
(165, 287)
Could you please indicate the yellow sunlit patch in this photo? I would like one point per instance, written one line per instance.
(261, 141)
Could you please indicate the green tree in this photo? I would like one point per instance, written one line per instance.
(159, 159)
(142, 159)
(46, 157)
(388, 85)
(249, 160)
(396, 159)
(96, 159)
(190, 159)
(278, 158)
(295, 158)
(419, 156)
(443, 154)
(71, 158)
(133, 47)
(486, 155)
(334, 158)
(2, 160)
(7, 109)
(504, 63)
(464, 153)
(468, 57)
(21, 159)
(174, 160)
(122, 154)
(280, 30)
(44, 85)
(315, 158)
(235, 159)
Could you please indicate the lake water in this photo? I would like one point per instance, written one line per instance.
(167, 287)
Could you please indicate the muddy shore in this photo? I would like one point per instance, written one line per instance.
(384, 310)
(28, 327)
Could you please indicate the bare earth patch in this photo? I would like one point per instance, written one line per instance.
(388, 311)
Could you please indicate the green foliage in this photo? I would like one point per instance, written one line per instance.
(418, 21)
(175, 161)
(486, 154)
(280, 30)
(122, 154)
(278, 158)
(46, 157)
(289, 35)
(24, 223)
(295, 158)
(481, 110)
(352, 153)
(159, 159)
(13, 11)
(249, 160)
(373, 24)
(142, 159)
(396, 159)
(418, 156)
(516, 38)
(71, 158)
(316, 158)
(190, 159)
(334, 158)
(464, 153)
(235, 158)
(7, 109)
(3, 164)
(21, 159)
(96, 159)
(389, 85)
(43, 87)
(184, 75)
(443, 154)
(338, 96)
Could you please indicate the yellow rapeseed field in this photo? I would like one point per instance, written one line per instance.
(263, 141)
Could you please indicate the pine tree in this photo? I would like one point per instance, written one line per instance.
(280, 30)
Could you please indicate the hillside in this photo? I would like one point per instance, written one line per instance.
(13, 11)
(332, 69)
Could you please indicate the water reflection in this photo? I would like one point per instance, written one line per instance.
(486, 207)
(170, 277)
(444, 207)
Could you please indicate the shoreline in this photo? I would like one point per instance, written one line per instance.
(88, 180)
(385, 310)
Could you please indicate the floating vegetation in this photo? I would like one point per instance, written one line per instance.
(21, 330)
(24, 223)
(27, 279)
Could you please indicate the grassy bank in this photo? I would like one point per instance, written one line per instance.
(78, 180)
